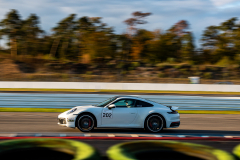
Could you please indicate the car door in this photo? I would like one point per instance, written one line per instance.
(123, 115)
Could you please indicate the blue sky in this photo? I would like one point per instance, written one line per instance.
(165, 13)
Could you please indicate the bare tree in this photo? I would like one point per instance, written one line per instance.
(138, 18)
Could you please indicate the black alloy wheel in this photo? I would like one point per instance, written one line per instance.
(154, 123)
(85, 123)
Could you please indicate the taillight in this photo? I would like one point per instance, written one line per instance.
(173, 112)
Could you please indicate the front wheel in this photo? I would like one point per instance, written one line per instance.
(85, 123)
(154, 123)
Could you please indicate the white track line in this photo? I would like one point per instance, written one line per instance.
(87, 135)
(181, 136)
(62, 135)
(157, 135)
(8, 135)
(111, 135)
(134, 135)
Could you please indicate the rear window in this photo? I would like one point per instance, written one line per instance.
(142, 104)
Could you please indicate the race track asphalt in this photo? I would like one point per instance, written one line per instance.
(191, 124)
(16, 122)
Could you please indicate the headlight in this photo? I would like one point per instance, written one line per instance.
(72, 110)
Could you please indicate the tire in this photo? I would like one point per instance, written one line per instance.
(47, 149)
(85, 123)
(154, 123)
(150, 149)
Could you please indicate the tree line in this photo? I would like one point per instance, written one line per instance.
(88, 39)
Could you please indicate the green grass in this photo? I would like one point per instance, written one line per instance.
(117, 91)
(63, 110)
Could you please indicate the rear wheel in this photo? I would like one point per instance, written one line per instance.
(154, 123)
(85, 123)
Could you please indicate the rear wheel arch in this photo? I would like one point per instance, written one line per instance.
(86, 113)
(164, 120)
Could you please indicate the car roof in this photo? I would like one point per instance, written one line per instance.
(138, 98)
(133, 97)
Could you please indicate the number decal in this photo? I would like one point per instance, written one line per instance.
(107, 114)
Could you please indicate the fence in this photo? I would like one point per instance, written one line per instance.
(121, 86)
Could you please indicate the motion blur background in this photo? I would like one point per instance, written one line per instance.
(135, 42)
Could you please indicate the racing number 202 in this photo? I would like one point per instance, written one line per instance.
(107, 114)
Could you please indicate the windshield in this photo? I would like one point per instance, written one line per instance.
(104, 103)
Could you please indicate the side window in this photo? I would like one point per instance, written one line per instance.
(142, 104)
(124, 103)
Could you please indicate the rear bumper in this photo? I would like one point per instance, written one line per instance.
(175, 124)
(173, 120)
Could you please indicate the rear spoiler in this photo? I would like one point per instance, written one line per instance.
(173, 108)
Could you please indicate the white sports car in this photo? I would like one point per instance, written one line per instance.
(121, 112)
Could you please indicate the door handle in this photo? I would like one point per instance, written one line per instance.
(132, 113)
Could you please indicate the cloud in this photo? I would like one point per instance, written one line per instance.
(219, 3)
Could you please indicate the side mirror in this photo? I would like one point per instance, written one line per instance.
(111, 106)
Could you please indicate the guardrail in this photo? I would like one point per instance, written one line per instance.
(36, 100)
(121, 86)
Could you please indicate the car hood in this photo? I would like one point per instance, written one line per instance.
(84, 107)
(79, 109)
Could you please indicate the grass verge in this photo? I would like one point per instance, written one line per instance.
(63, 110)
(111, 91)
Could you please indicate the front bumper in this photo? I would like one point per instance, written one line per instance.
(63, 125)
(68, 124)
(67, 121)
(61, 120)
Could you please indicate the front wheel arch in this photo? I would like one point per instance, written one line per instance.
(86, 113)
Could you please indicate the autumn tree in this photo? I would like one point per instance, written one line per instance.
(221, 41)
(11, 27)
(183, 41)
(187, 47)
(138, 18)
(31, 34)
(140, 43)
(163, 47)
(64, 31)
(210, 37)
(96, 39)
(227, 38)
(180, 28)
(236, 37)
(84, 28)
